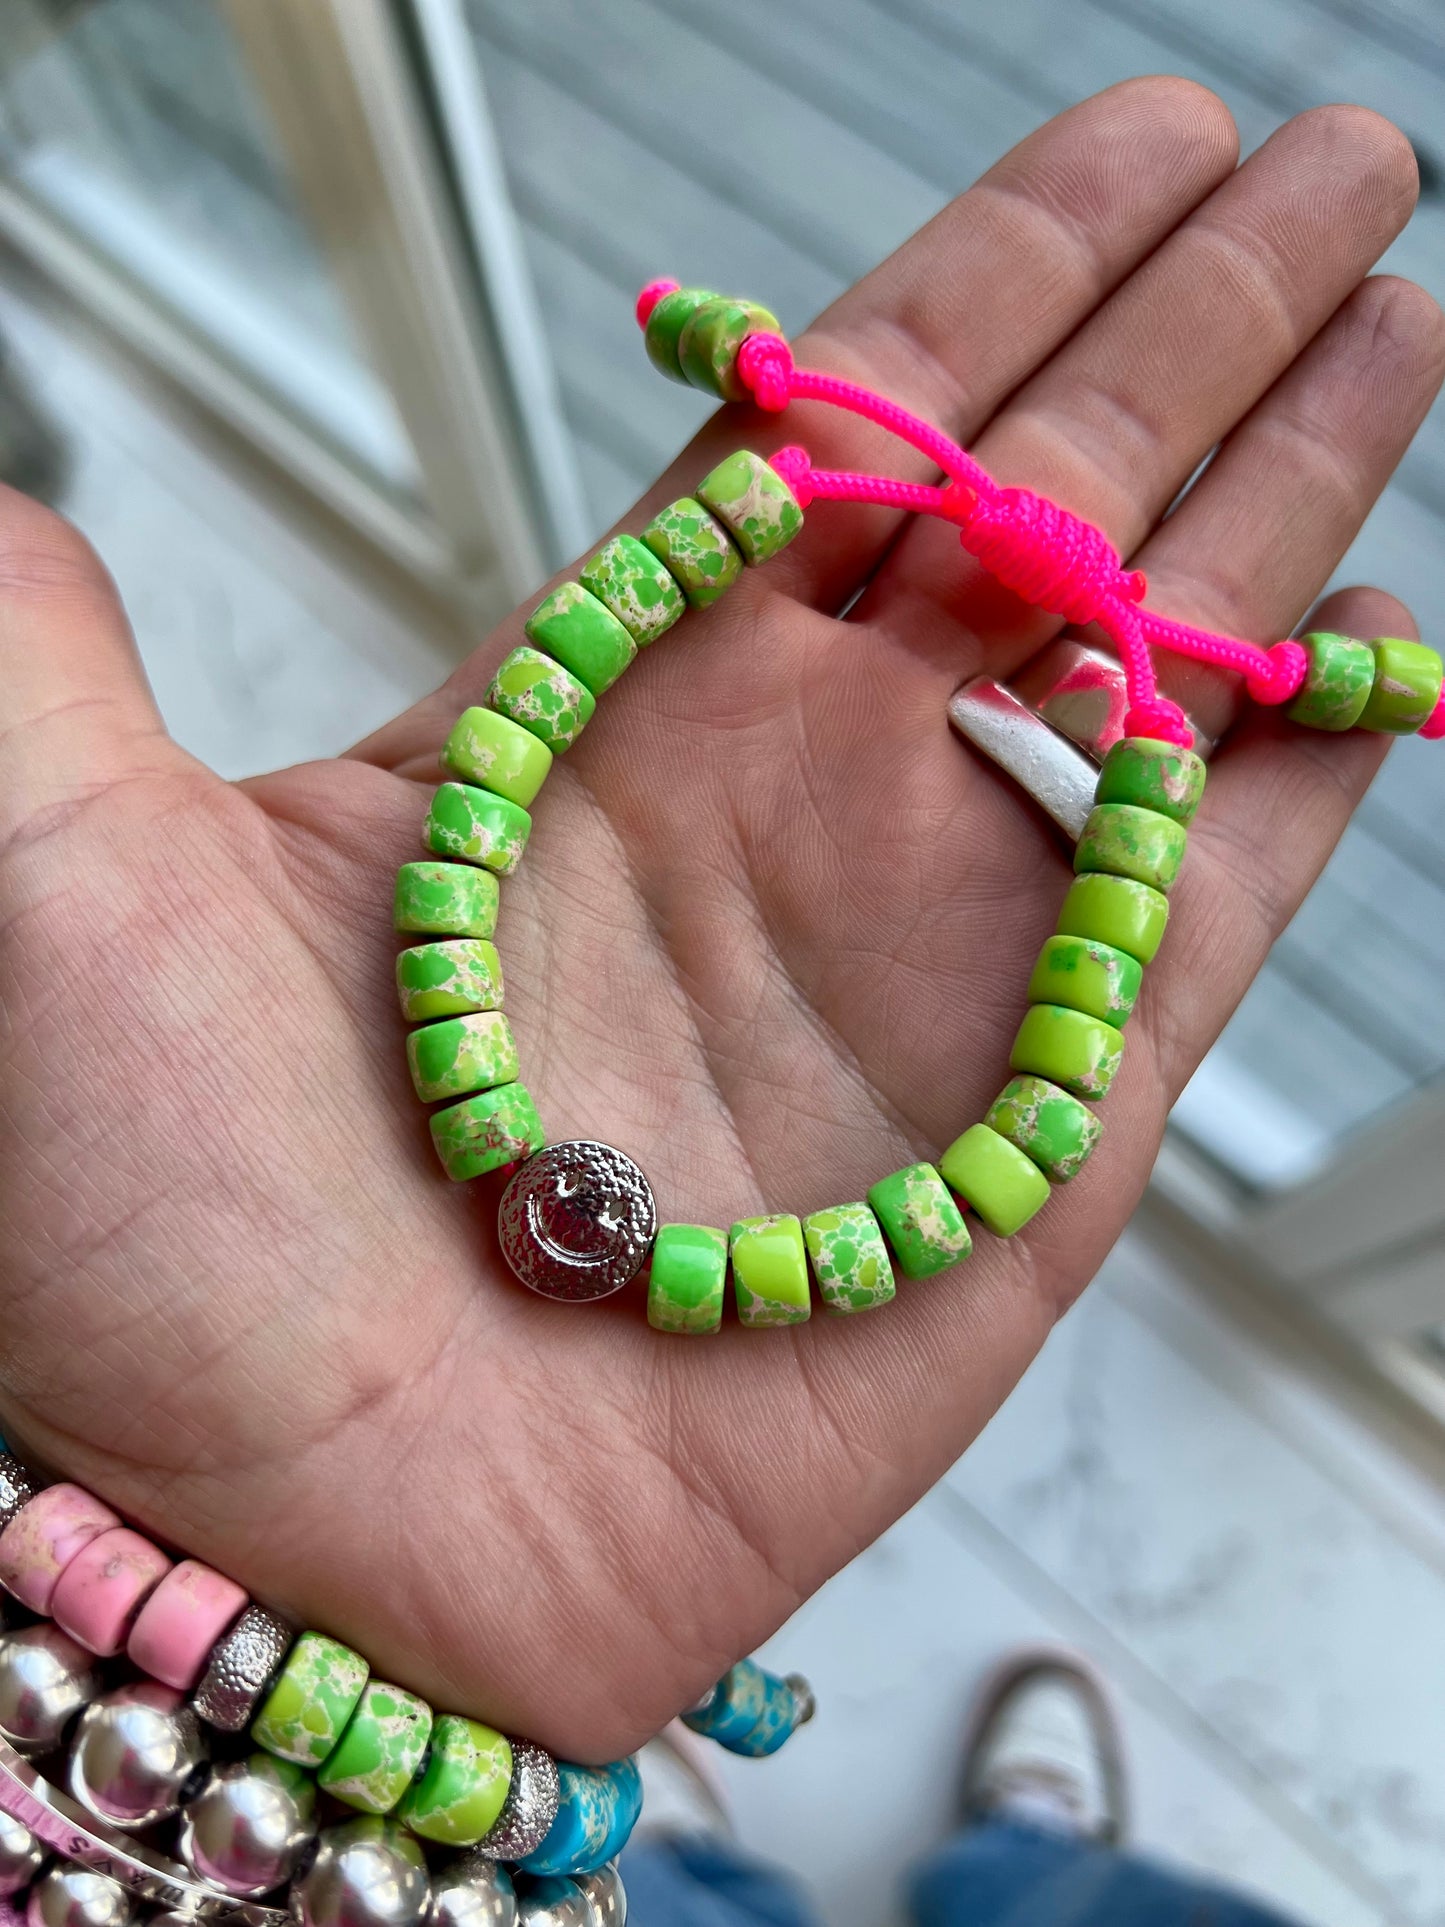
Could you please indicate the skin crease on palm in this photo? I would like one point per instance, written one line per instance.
(771, 938)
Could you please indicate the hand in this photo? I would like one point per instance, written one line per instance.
(771, 937)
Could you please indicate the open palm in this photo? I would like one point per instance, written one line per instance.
(771, 937)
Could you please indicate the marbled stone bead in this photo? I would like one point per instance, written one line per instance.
(770, 1270)
(737, 1704)
(101, 1591)
(377, 1756)
(43, 1538)
(639, 590)
(478, 827)
(1337, 683)
(537, 692)
(583, 635)
(1118, 911)
(920, 1220)
(597, 1809)
(1121, 840)
(696, 549)
(1155, 776)
(463, 1786)
(1087, 975)
(688, 1279)
(1406, 687)
(1078, 1052)
(849, 1258)
(707, 348)
(461, 1054)
(445, 900)
(485, 1132)
(315, 1694)
(998, 1182)
(490, 750)
(1055, 1130)
(448, 979)
(753, 503)
(180, 1624)
(664, 328)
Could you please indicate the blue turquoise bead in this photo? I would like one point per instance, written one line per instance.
(627, 1780)
(597, 1809)
(776, 1724)
(739, 1701)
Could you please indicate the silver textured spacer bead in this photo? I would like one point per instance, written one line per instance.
(17, 1488)
(805, 1702)
(241, 1667)
(529, 1809)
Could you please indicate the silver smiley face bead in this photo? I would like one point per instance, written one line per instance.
(577, 1221)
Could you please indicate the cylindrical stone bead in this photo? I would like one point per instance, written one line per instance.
(664, 328)
(43, 1538)
(537, 692)
(379, 1753)
(1337, 683)
(639, 590)
(707, 348)
(101, 1591)
(490, 750)
(462, 1788)
(1406, 687)
(1047, 1124)
(315, 1694)
(1086, 975)
(448, 979)
(696, 549)
(478, 827)
(1154, 776)
(770, 1270)
(180, 1624)
(1080, 1053)
(582, 634)
(1121, 840)
(597, 1809)
(1003, 1186)
(735, 1705)
(1118, 911)
(688, 1280)
(485, 1132)
(461, 1054)
(753, 503)
(17, 1488)
(921, 1220)
(445, 900)
(849, 1258)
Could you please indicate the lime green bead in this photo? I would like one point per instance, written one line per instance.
(583, 634)
(1117, 911)
(688, 1280)
(1055, 1130)
(770, 1271)
(1156, 776)
(1337, 683)
(478, 827)
(460, 1793)
(753, 503)
(1081, 1053)
(849, 1258)
(638, 588)
(484, 1132)
(448, 979)
(664, 327)
(377, 1756)
(1089, 976)
(921, 1220)
(707, 348)
(1406, 687)
(697, 550)
(497, 754)
(1121, 840)
(460, 1054)
(315, 1694)
(537, 692)
(995, 1179)
(445, 900)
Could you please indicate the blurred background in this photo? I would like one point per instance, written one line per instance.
(316, 316)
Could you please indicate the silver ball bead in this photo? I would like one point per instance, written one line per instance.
(607, 1894)
(367, 1873)
(71, 1896)
(45, 1679)
(249, 1825)
(555, 1902)
(473, 1892)
(134, 1752)
(21, 1855)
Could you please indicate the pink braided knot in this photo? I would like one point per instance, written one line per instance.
(1161, 721)
(765, 365)
(795, 466)
(1279, 676)
(1434, 730)
(649, 297)
(1049, 556)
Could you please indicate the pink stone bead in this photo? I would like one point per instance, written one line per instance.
(43, 1538)
(181, 1622)
(105, 1585)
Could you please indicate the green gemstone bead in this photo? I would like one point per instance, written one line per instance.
(1081, 1053)
(583, 634)
(484, 1132)
(448, 979)
(995, 1179)
(316, 1693)
(770, 1270)
(707, 348)
(1121, 840)
(1055, 1130)
(1117, 911)
(1089, 976)
(543, 697)
(696, 549)
(665, 325)
(637, 588)
(1156, 776)
(497, 754)
(1337, 683)
(460, 1054)
(753, 503)
(849, 1258)
(460, 1793)
(920, 1220)
(688, 1281)
(445, 900)
(377, 1756)
(478, 827)
(1406, 687)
